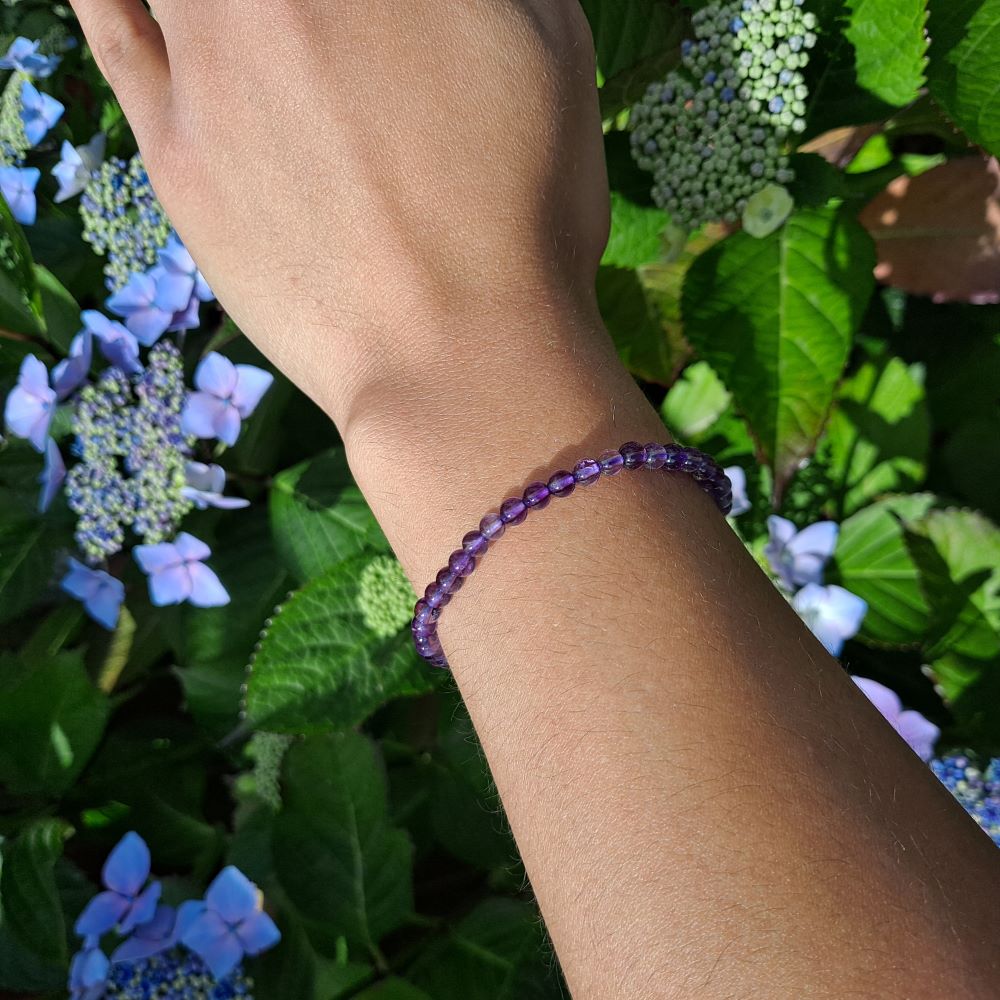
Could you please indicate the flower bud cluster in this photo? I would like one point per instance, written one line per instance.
(716, 131)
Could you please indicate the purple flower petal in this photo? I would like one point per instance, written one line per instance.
(170, 586)
(143, 908)
(17, 184)
(739, 480)
(202, 412)
(80, 581)
(127, 867)
(258, 933)
(251, 384)
(207, 590)
(209, 937)
(920, 733)
(101, 913)
(188, 318)
(70, 374)
(173, 291)
(187, 914)
(156, 558)
(232, 895)
(106, 603)
(228, 424)
(217, 375)
(149, 324)
(138, 293)
(52, 476)
(884, 699)
(191, 549)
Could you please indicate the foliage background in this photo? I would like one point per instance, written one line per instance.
(339, 774)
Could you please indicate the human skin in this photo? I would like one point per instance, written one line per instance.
(404, 206)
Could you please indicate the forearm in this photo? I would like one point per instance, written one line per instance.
(704, 803)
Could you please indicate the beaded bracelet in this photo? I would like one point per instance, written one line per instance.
(705, 471)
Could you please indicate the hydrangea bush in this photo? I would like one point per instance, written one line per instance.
(205, 669)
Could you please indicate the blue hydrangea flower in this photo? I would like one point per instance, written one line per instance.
(798, 557)
(175, 975)
(205, 486)
(739, 480)
(177, 573)
(17, 184)
(88, 971)
(127, 901)
(76, 165)
(832, 613)
(153, 303)
(117, 343)
(23, 55)
(39, 112)
(101, 594)
(149, 939)
(227, 395)
(977, 789)
(72, 372)
(228, 924)
(177, 260)
(921, 734)
(31, 404)
(52, 477)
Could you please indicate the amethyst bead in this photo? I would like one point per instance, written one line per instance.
(436, 596)
(461, 562)
(450, 580)
(674, 452)
(513, 511)
(421, 631)
(587, 471)
(428, 646)
(423, 612)
(492, 527)
(656, 455)
(562, 483)
(633, 453)
(537, 496)
(689, 460)
(475, 543)
(611, 463)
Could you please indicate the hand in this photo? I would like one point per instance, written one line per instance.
(363, 183)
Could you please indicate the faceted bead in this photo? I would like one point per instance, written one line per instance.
(461, 562)
(513, 511)
(436, 596)
(587, 471)
(423, 612)
(656, 455)
(475, 543)
(492, 526)
(536, 496)
(611, 463)
(562, 483)
(633, 453)
(450, 580)
(674, 454)
(689, 460)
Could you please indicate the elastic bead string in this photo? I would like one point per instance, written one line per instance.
(705, 471)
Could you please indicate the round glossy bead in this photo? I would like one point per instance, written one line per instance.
(461, 562)
(440, 661)
(475, 543)
(587, 471)
(537, 496)
(562, 483)
(673, 458)
(492, 527)
(513, 511)
(420, 631)
(428, 646)
(423, 612)
(450, 580)
(611, 463)
(689, 460)
(633, 453)
(436, 596)
(656, 455)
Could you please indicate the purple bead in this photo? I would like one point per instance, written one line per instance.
(633, 453)
(611, 463)
(423, 612)
(674, 454)
(450, 580)
(562, 483)
(587, 471)
(436, 596)
(492, 527)
(475, 543)
(536, 496)
(656, 455)
(689, 460)
(420, 631)
(513, 511)
(461, 562)
(428, 646)
(441, 662)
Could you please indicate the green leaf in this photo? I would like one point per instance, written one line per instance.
(695, 402)
(874, 562)
(626, 31)
(20, 302)
(319, 516)
(775, 318)
(879, 432)
(51, 720)
(393, 989)
(62, 314)
(30, 897)
(335, 854)
(636, 233)
(964, 70)
(890, 46)
(320, 666)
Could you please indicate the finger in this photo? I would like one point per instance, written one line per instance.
(128, 46)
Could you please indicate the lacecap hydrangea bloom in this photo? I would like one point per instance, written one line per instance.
(716, 131)
(976, 787)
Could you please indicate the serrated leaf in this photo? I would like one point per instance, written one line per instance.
(319, 666)
(695, 402)
(890, 47)
(32, 912)
(873, 561)
(319, 516)
(335, 854)
(636, 233)
(775, 318)
(879, 433)
(626, 31)
(964, 70)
